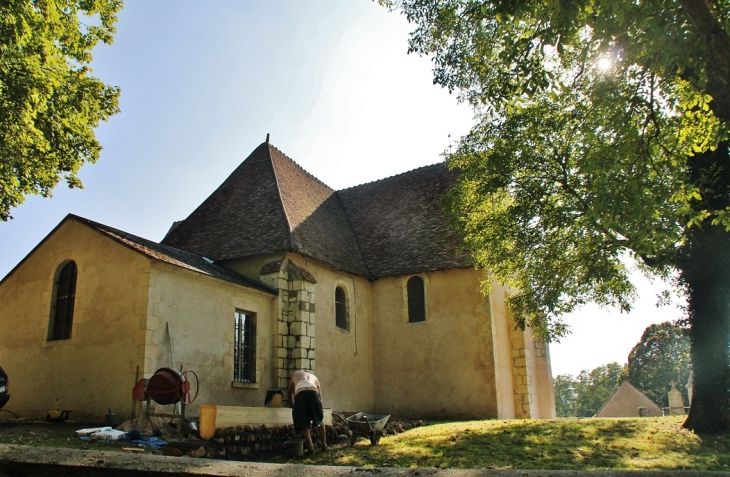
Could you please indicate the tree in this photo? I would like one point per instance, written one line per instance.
(565, 396)
(49, 104)
(595, 387)
(602, 136)
(660, 357)
(584, 395)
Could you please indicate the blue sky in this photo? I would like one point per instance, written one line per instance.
(204, 82)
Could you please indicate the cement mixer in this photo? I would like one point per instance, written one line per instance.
(168, 386)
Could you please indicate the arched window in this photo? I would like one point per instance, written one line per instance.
(416, 300)
(341, 320)
(63, 310)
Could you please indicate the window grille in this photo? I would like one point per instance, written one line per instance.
(341, 309)
(416, 300)
(244, 347)
(63, 313)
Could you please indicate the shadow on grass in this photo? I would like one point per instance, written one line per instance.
(571, 444)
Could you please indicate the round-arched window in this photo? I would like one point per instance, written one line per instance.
(416, 300)
(63, 310)
(341, 309)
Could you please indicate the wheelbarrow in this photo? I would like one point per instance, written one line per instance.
(365, 425)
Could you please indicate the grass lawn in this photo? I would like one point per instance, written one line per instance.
(573, 444)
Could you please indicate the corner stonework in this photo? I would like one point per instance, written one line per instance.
(296, 317)
(522, 375)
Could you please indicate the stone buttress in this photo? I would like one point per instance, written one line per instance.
(295, 345)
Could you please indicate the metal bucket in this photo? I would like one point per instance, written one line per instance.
(294, 447)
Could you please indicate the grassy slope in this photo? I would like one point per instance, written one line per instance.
(579, 444)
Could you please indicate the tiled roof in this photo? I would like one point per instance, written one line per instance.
(269, 204)
(318, 225)
(243, 217)
(174, 256)
(400, 222)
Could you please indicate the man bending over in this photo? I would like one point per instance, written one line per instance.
(305, 396)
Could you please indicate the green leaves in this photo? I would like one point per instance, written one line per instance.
(552, 195)
(572, 167)
(49, 105)
(583, 395)
(579, 163)
(662, 355)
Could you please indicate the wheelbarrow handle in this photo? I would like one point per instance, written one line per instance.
(341, 418)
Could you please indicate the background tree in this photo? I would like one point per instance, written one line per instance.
(565, 395)
(583, 395)
(594, 387)
(660, 357)
(49, 104)
(601, 136)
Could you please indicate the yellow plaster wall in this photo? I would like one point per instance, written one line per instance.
(201, 312)
(343, 358)
(95, 369)
(442, 368)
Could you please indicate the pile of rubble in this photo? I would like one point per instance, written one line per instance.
(256, 442)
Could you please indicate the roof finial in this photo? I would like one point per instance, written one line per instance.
(267, 137)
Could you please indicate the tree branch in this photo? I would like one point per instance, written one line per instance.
(717, 42)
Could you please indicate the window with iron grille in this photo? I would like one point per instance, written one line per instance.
(62, 314)
(341, 320)
(416, 300)
(244, 347)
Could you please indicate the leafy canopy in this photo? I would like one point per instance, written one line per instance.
(588, 116)
(49, 104)
(662, 356)
(585, 394)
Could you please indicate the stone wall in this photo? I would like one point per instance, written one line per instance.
(250, 443)
(296, 320)
(521, 375)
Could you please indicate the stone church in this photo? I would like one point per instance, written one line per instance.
(274, 272)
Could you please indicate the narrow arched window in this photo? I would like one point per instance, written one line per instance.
(416, 300)
(63, 310)
(341, 309)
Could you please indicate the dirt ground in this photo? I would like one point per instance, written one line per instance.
(39, 433)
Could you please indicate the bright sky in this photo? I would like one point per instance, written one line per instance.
(204, 82)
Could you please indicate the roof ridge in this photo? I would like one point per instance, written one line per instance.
(300, 167)
(290, 231)
(357, 240)
(393, 176)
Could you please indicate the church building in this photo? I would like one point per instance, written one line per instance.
(366, 287)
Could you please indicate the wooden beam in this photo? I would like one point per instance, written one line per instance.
(214, 417)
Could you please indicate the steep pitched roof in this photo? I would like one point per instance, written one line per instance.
(625, 402)
(269, 204)
(160, 252)
(400, 222)
(243, 217)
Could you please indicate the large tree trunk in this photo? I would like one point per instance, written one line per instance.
(705, 264)
(705, 270)
(708, 280)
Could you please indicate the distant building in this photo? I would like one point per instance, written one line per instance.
(626, 401)
(272, 273)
